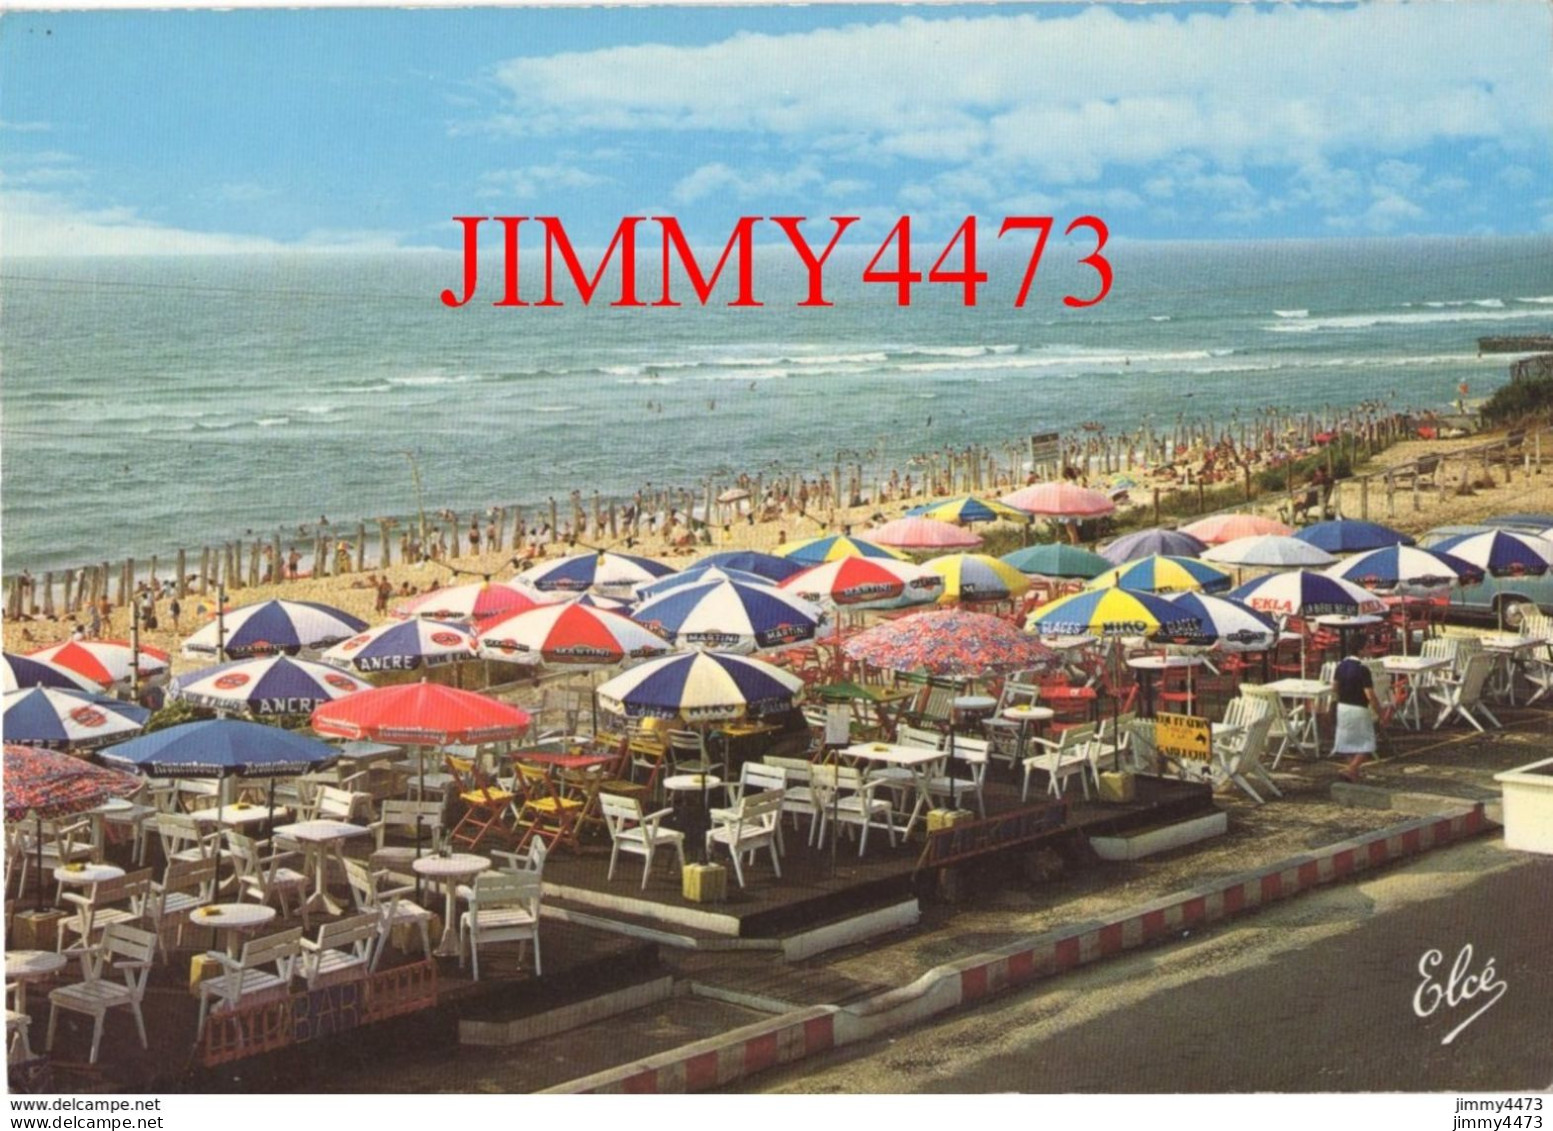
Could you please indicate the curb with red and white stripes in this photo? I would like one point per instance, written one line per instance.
(791, 1036)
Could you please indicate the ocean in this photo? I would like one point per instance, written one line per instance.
(151, 404)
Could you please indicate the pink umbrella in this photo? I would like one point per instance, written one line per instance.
(1060, 500)
(1220, 528)
(917, 533)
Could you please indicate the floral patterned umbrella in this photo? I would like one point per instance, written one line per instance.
(51, 784)
(948, 642)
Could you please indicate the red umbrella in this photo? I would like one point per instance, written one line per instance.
(421, 714)
(917, 533)
(1060, 500)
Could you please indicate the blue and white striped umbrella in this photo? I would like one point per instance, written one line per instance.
(700, 573)
(1502, 553)
(17, 672)
(268, 685)
(402, 646)
(1227, 624)
(700, 687)
(274, 626)
(57, 717)
(1303, 593)
(598, 601)
(727, 616)
(614, 575)
(1406, 569)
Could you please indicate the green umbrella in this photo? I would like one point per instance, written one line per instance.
(1057, 559)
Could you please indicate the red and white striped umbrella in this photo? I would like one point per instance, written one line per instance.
(102, 661)
(468, 604)
(867, 583)
(569, 634)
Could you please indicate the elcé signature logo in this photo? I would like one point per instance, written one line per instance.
(1460, 988)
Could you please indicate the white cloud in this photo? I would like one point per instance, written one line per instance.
(33, 223)
(718, 179)
(25, 127)
(1070, 96)
(535, 181)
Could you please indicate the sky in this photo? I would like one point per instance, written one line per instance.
(127, 132)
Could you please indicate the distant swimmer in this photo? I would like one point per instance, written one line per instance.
(711, 405)
(930, 421)
(752, 385)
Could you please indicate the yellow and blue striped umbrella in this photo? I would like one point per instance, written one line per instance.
(1113, 612)
(829, 547)
(968, 508)
(977, 577)
(1161, 573)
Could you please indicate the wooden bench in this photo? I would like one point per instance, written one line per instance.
(1423, 471)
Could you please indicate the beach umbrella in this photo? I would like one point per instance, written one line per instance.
(977, 577)
(1113, 612)
(49, 784)
(969, 508)
(570, 634)
(59, 717)
(1226, 623)
(1303, 593)
(1501, 553)
(769, 566)
(421, 714)
(273, 626)
(728, 616)
(1161, 574)
(917, 533)
(599, 601)
(1057, 559)
(829, 547)
(867, 583)
(1219, 528)
(1272, 551)
(222, 749)
(1060, 500)
(103, 661)
(1351, 536)
(219, 748)
(948, 642)
(469, 604)
(695, 574)
(700, 687)
(602, 571)
(1406, 569)
(1155, 540)
(267, 685)
(17, 672)
(401, 646)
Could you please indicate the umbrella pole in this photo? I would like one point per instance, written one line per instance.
(37, 842)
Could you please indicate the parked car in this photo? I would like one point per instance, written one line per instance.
(1504, 599)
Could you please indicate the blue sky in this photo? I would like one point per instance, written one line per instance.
(137, 132)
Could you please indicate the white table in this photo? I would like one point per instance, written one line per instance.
(1312, 692)
(924, 765)
(86, 875)
(319, 839)
(24, 966)
(232, 920)
(1506, 650)
(1415, 670)
(1024, 716)
(449, 871)
(238, 815)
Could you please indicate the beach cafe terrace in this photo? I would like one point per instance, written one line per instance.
(426, 855)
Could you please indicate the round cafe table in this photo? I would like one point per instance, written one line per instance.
(24, 966)
(232, 920)
(86, 875)
(1149, 667)
(1025, 716)
(448, 871)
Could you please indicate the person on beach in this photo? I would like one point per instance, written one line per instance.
(474, 538)
(294, 564)
(385, 590)
(173, 611)
(1353, 689)
(95, 622)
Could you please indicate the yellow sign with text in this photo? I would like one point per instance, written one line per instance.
(1183, 736)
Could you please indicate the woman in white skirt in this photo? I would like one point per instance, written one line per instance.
(1357, 710)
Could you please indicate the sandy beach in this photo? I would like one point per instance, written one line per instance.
(1529, 490)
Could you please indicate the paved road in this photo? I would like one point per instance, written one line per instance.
(1316, 995)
